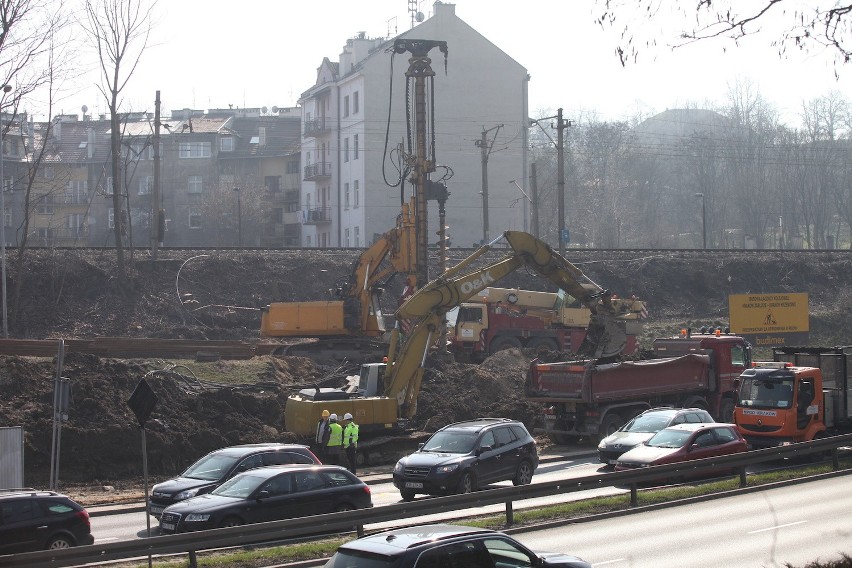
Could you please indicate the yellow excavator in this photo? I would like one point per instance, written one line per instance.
(352, 324)
(383, 398)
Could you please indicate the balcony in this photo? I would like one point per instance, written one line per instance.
(316, 127)
(317, 171)
(291, 196)
(317, 216)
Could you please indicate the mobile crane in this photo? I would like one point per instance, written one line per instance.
(384, 397)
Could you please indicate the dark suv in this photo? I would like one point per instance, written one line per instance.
(436, 546)
(41, 520)
(212, 470)
(463, 456)
(645, 425)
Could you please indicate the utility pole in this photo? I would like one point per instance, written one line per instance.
(561, 125)
(485, 150)
(155, 199)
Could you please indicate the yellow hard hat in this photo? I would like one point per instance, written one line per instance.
(325, 414)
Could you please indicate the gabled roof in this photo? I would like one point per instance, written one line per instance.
(282, 136)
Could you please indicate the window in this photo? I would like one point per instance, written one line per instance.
(357, 194)
(146, 184)
(7, 217)
(346, 106)
(725, 435)
(44, 233)
(140, 151)
(355, 149)
(194, 150)
(76, 222)
(278, 215)
(194, 218)
(194, 184)
(346, 149)
(293, 167)
(272, 183)
(261, 134)
(346, 195)
(346, 238)
(48, 172)
(226, 144)
(111, 218)
(9, 184)
(357, 236)
(355, 102)
(45, 205)
(505, 553)
(77, 192)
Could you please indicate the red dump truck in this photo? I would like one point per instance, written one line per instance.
(585, 399)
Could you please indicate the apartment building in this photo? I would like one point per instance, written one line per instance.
(227, 178)
(352, 126)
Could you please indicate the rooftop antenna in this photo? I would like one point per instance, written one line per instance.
(392, 24)
(414, 10)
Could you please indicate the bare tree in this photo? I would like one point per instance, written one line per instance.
(120, 31)
(805, 26)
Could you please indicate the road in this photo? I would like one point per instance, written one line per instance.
(126, 526)
(795, 524)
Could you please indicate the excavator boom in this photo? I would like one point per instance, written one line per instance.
(428, 307)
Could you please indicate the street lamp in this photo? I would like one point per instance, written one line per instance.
(239, 219)
(6, 90)
(703, 220)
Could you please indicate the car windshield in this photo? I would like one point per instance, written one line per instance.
(772, 392)
(211, 467)
(240, 486)
(669, 439)
(360, 559)
(450, 441)
(648, 423)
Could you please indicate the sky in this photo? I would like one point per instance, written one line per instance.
(207, 54)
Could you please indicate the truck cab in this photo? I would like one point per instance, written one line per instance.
(779, 404)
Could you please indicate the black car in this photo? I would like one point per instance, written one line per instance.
(209, 472)
(269, 494)
(41, 520)
(464, 456)
(437, 546)
(645, 425)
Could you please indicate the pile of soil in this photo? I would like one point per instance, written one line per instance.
(219, 295)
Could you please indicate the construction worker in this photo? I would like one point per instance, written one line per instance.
(350, 441)
(321, 437)
(334, 445)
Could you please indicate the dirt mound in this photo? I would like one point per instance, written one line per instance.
(73, 294)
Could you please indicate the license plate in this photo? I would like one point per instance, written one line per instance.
(167, 526)
(413, 485)
(156, 510)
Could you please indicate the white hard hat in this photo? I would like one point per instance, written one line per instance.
(347, 416)
(333, 417)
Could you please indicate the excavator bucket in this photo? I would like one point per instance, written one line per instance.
(605, 337)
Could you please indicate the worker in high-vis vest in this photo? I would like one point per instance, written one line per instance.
(350, 441)
(334, 446)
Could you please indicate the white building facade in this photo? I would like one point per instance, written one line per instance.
(351, 137)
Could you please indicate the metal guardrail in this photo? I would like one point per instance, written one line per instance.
(190, 543)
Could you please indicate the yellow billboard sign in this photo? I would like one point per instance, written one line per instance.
(769, 313)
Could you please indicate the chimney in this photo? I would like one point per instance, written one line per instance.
(90, 146)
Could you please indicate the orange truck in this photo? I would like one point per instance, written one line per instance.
(802, 395)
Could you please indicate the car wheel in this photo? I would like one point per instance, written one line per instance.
(524, 474)
(231, 522)
(542, 346)
(59, 542)
(344, 507)
(502, 343)
(407, 495)
(610, 424)
(466, 483)
(726, 411)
